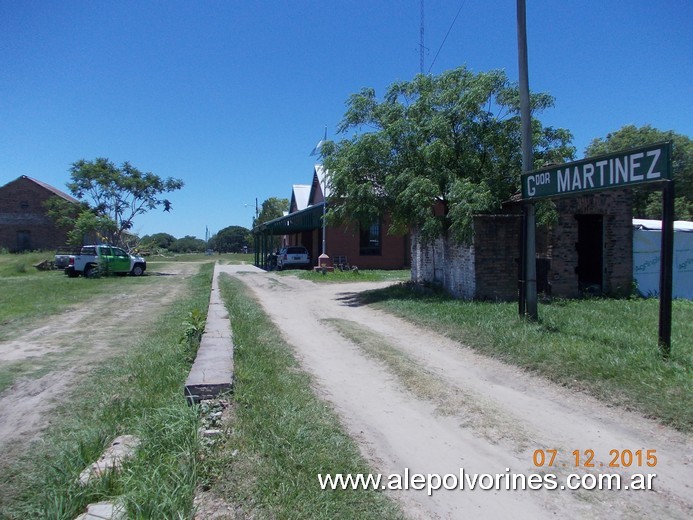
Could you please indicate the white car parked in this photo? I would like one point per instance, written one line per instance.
(293, 256)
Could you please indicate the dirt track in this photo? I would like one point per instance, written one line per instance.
(71, 344)
(489, 418)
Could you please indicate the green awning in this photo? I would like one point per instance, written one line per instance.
(304, 220)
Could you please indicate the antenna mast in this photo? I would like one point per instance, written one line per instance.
(421, 40)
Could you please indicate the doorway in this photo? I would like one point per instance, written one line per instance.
(590, 253)
(24, 241)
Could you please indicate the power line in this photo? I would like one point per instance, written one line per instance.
(444, 39)
(421, 40)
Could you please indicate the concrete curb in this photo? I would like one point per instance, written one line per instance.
(212, 371)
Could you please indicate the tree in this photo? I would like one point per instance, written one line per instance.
(79, 221)
(452, 139)
(188, 244)
(119, 194)
(91, 226)
(647, 203)
(272, 208)
(232, 239)
(157, 241)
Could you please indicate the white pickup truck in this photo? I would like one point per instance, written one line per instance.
(102, 259)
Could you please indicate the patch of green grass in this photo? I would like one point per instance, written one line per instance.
(283, 436)
(28, 295)
(224, 258)
(366, 275)
(139, 392)
(18, 264)
(603, 346)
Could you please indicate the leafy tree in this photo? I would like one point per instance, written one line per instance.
(272, 208)
(91, 227)
(63, 212)
(647, 203)
(188, 244)
(119, 193)
(453, 139)
(232, 239)
(158, 241)
(79, 221)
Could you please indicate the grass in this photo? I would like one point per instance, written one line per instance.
(605, 347)
(139, 392)
(366, 275)
(283, 436)
(224, 258)
(18, 264)
(28, 295)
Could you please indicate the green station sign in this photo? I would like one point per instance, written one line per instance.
(619, 170)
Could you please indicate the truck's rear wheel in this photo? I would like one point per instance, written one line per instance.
(91, 271)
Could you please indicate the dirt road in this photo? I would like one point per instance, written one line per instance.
(468, 412)
(67, 346)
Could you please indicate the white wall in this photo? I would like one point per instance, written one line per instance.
(647, 245)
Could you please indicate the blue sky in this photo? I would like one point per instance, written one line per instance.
(232, 96)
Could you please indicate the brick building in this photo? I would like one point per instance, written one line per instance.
(588, 251)
(24, 225)
(367, 247)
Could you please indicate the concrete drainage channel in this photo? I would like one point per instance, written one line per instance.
(212, 371)
(210, 376)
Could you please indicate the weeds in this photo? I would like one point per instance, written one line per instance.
(193, 328)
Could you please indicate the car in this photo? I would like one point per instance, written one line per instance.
(100, 259)
(293, 256)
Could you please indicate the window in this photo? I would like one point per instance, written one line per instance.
(369, 243)
(24, 204)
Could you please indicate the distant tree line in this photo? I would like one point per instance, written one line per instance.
(231, 239)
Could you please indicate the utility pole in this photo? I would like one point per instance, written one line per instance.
(529, 247)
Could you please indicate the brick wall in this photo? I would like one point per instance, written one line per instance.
(22, 215)
(489, 268)
(446, 263)
(616, 209)
(497, 246)
(344, 241)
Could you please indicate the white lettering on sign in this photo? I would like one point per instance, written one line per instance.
(563, 180)
(617, 170)
(588, 172)
(537, 180)
(613, 171)
(634, 165)
(650, 173)
(600, 165)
